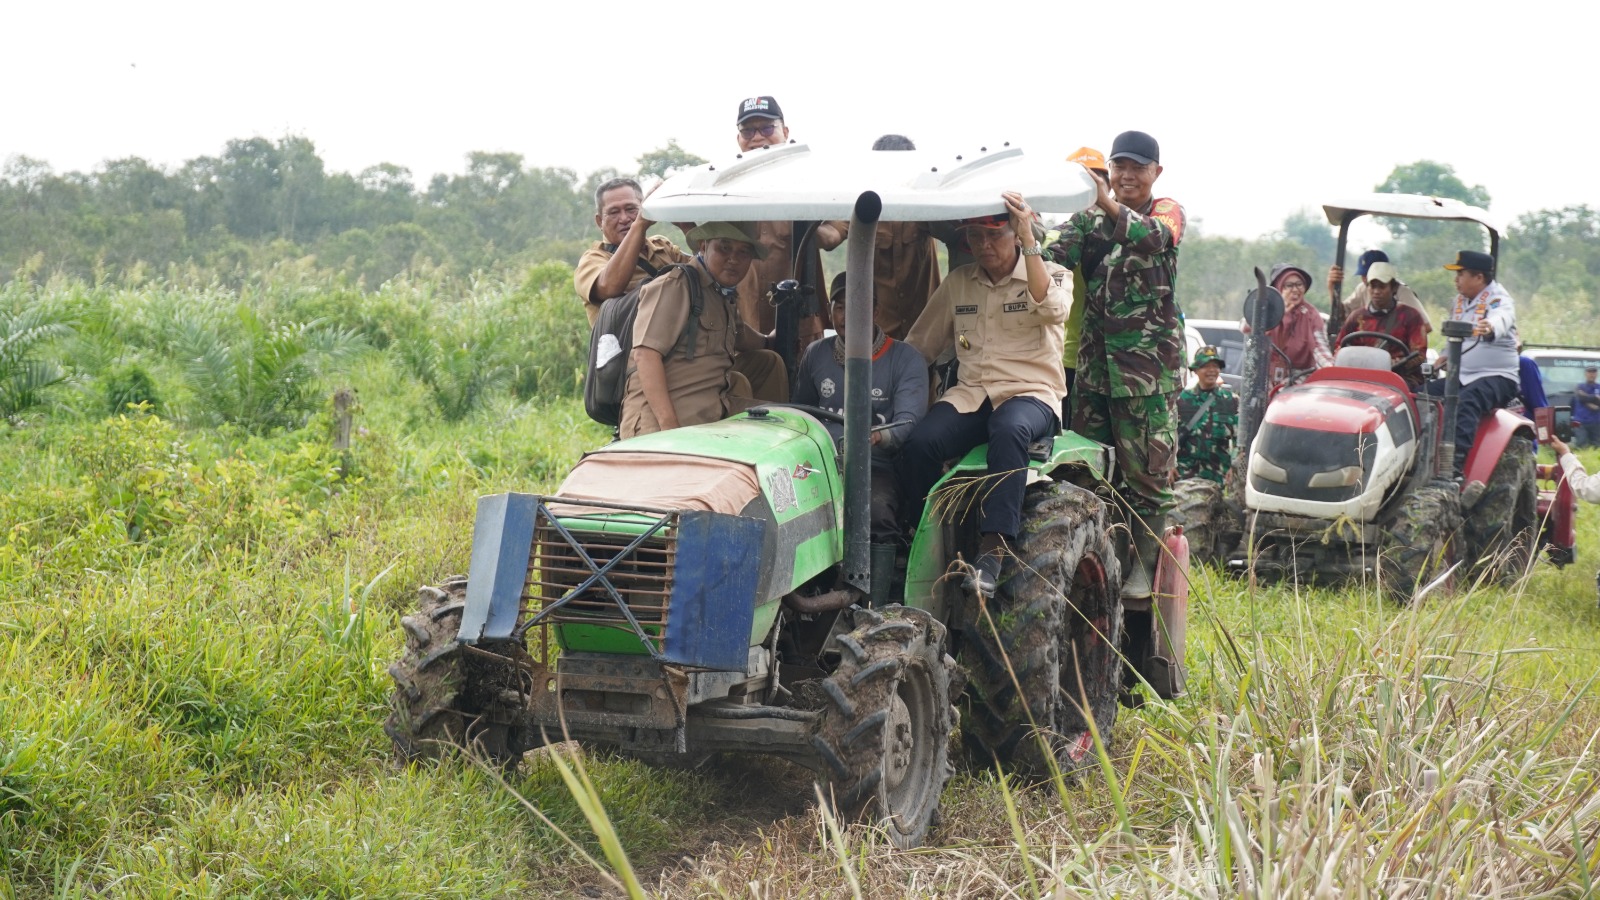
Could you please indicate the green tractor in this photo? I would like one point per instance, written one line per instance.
(713, 589)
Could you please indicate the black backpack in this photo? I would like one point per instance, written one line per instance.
(611, 345)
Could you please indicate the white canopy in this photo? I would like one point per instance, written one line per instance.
(795, 182)
(1411, 206)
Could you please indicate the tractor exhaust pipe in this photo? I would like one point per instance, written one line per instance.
(858, 393)
(1455, 333)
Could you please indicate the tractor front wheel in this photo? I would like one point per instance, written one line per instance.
(884, 735)
(1419, 541)
(1502, 529)
(441, 702)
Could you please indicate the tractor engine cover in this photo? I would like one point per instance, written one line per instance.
(1332, 447)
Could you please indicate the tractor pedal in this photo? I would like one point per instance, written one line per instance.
(1039, 451)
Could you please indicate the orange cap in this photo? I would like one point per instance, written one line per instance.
(1089, 158)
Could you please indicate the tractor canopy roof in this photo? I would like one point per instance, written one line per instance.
(797, 183)
(1410, 206)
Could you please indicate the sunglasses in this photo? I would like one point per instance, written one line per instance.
(763, 130)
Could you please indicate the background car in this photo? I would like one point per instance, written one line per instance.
(1561, 369)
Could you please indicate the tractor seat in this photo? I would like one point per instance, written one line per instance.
(1364, 358)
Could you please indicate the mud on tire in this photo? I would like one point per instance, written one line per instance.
(884, 734)
(1502, 529)
(1419, 541)
(1058, 612)
(1198, 507)
(442, 701)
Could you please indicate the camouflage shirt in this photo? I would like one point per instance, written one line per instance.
(1132, 339)
(1205, 436)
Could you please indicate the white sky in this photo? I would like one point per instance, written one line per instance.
(1261, 108)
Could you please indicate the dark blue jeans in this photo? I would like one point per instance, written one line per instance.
(944, 433)
(1477, 400)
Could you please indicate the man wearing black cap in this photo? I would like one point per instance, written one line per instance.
(760, 125)
(1489, 359)
(1130, 358)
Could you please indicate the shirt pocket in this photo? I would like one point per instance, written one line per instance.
(1020, 326)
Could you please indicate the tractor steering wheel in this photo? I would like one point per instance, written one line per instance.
(1385, 338)
(817, 411)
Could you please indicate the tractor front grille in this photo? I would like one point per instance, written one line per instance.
(643, 579)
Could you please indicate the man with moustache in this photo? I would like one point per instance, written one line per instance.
(626, 255)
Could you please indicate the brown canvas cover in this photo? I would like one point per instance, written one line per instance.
(658, 479)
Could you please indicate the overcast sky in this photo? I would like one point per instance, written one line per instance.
(1260, 108)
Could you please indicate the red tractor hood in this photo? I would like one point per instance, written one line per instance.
(1339, 405)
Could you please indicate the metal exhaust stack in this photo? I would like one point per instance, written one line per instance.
(1455, 332)
(858, 392)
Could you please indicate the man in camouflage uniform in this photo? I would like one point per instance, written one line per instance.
(1131, 350)
(1208, 417)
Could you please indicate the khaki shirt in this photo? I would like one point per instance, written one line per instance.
(1013, 345)
(659, 251)
(905, 273)
(754, 309)
(698, 387)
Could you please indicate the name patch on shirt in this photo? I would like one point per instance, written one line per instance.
(967, 310)
(1016, 307)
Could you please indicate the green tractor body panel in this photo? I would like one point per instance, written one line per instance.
(929, 558)
(796, 467)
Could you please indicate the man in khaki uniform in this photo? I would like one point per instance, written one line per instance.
(760, 124)
(905, 268)
(625, 256)
(668, 385)
(1004, 314)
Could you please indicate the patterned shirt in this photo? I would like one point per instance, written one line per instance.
(1132, 339)
(1207, 422)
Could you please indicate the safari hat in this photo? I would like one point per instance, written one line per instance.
(742, 231)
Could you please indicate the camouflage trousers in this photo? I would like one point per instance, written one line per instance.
(1143, 431)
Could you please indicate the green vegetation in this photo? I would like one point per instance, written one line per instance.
(199, 598)
(262, 207)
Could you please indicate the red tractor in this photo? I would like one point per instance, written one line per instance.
(1345, 472)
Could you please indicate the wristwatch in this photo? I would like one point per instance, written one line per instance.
(1035, 250)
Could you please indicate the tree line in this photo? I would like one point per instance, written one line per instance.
(259, 203)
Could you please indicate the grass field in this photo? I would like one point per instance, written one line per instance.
(195, 622)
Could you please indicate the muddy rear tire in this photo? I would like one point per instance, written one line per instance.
(441, 702)
(1419, 541)
(1502, 529)
(884, 735)
(1198, 507)
(1057, 613)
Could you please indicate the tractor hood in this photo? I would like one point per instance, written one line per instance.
(790, 458)
(1332, 447)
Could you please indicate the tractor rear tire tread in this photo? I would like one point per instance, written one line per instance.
(1024, 691)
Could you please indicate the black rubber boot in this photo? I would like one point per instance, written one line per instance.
(1141, 568)
(883, 574)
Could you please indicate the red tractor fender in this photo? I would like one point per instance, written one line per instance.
(1495, 431)
(1558, 517)
(1170, 601)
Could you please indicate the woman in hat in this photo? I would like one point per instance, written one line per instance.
(1302, 336)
